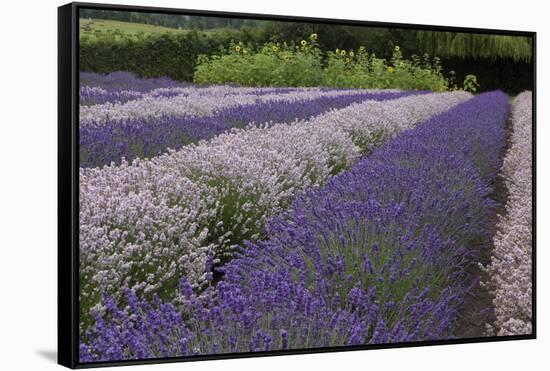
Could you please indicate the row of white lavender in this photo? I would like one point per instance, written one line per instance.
(178, 102)
(90, 94)
(511, 264)
(144, 225)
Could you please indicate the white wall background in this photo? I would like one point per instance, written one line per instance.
(28, 152)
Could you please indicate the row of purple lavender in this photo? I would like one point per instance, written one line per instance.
(125, 81)
(144, 225)
(378, 254)
(145, 137)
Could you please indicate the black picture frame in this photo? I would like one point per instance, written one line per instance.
(68, 192)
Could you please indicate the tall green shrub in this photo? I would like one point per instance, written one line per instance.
(276, 64)
(273, 64)
(149, 55)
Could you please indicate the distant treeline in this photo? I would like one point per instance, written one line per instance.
(169, 20)
(377, 39)
(497, 61)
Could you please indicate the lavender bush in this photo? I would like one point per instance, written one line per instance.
(101, 144)
(377, 254)
(511, 264)
(197, 101)
(90, 95)
(122, 80)
(144, 225)
(127, 81)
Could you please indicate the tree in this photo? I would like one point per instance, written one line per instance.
(471, 45)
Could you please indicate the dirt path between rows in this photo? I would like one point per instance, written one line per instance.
(478, 309)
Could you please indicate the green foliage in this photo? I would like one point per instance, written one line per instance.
(148, 54)
(169, 20)
(122, 42)
(136, 49)
(304, 64)
(102, 27)
(364, 70)
(477, 46)
(470, 83)
(274, 64)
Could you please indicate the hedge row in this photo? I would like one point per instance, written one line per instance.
(152, 55)
(175, 56)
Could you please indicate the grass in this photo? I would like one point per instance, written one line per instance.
(98, 27)
(91, 26)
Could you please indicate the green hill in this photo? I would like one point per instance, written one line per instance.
(95, 27)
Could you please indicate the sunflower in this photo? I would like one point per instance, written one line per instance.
(390, 69)
(397, 48)
(237, 48)
(343, 52)
(274, 48)
(337, 51)
(303, 42)
(313, 36)
(351, 53)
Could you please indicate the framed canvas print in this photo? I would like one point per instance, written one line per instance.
(237, 185)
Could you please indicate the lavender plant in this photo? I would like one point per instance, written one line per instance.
(96, 95)
(179, 102)
(511, 264)
(103, 143)
(144, 225)
(406, 221)
(361, 259)
(121, 80)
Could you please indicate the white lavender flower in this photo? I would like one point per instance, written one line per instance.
(511, 264)
(145, 224)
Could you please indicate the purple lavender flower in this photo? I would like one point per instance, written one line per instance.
(404, 223)
(103, 143)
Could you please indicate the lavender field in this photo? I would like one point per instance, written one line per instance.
(227, 219)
